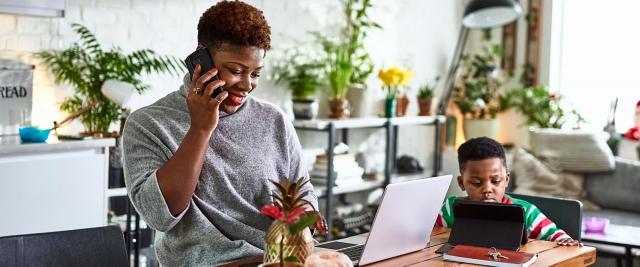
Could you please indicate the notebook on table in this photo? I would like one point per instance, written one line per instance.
(483, 256)
(403, 222)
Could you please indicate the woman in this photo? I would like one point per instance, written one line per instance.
(197, 168)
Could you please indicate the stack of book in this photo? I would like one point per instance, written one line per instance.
(346, 171)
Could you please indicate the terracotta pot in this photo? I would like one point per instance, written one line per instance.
(277, 264)
(401, 105)
(279, 238)
(339, 108)
(425, 106)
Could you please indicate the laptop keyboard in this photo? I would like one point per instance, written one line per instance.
(354, 252)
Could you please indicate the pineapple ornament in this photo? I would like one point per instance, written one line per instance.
(289, 238)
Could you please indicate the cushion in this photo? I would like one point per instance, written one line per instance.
(535, 178)
(618, 189)
(573, 150)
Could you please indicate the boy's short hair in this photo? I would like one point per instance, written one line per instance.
(480, 148)
(235, 23)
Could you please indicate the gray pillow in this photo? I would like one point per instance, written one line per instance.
(618, 189)
(573, 150)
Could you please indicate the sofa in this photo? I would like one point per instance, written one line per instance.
(617, 193)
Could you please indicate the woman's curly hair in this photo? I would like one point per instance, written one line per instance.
(235, 23)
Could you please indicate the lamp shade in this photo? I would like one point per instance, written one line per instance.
(490, 13)
(117, 91)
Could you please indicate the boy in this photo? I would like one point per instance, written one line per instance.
(484, 177)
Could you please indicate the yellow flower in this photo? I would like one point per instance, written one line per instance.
(395, 76)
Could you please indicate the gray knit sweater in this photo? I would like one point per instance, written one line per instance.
(223, 220)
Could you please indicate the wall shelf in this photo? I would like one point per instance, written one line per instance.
(391, 126)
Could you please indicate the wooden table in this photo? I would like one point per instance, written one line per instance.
(550, 254)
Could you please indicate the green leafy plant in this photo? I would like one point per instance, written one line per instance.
(338, 67)
(300, 72)
(86, 65)
(427, 91)
(477, 96)
(541, 107)
(358, 22)
(347, 61)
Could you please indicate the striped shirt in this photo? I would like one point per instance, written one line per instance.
(537, 224)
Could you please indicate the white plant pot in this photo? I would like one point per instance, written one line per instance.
(357, 100)
(305, 109)
(481, 127)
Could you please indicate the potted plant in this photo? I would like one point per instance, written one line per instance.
(425, 97)
(347, 62)
(302, 75)
(338, 69)
(541, 108)
(402, 102)
(477, 93)
(86, 66)
(288, 239)
(393, 79)
(358, 22)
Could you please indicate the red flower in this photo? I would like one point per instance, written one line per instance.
(293, 215)
(272, 210)
(633, 134)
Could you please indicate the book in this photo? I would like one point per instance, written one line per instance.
(337, 166)
(481, 255)
(338, 183)
(342, 174)
(336, 157)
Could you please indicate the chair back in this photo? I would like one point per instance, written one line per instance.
(100, 246)
(565, 213)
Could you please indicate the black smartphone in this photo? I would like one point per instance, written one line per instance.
(203, 57)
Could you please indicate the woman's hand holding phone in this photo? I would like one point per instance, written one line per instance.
(204, 109)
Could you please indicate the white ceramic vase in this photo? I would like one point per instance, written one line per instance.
(357, 100)
(481, 127)
(305, 109)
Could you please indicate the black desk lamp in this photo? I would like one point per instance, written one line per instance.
(479, 14)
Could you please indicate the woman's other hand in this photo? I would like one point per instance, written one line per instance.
(204, 109)
(321, 223)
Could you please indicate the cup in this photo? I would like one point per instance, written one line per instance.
(17, 118)
(595, 224)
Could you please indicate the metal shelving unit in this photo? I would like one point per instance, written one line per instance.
(391, 126)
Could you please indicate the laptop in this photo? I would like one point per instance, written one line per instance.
(403, 222)
(486, 224)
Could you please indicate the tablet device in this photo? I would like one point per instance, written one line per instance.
(488, 224)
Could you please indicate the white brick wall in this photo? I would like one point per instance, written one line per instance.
(421, 33)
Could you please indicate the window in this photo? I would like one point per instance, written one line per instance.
(597, 50)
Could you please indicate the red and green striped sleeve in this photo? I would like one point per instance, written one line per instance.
(538, 225)
(445, 217)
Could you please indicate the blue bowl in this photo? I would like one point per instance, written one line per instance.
(31, 134)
